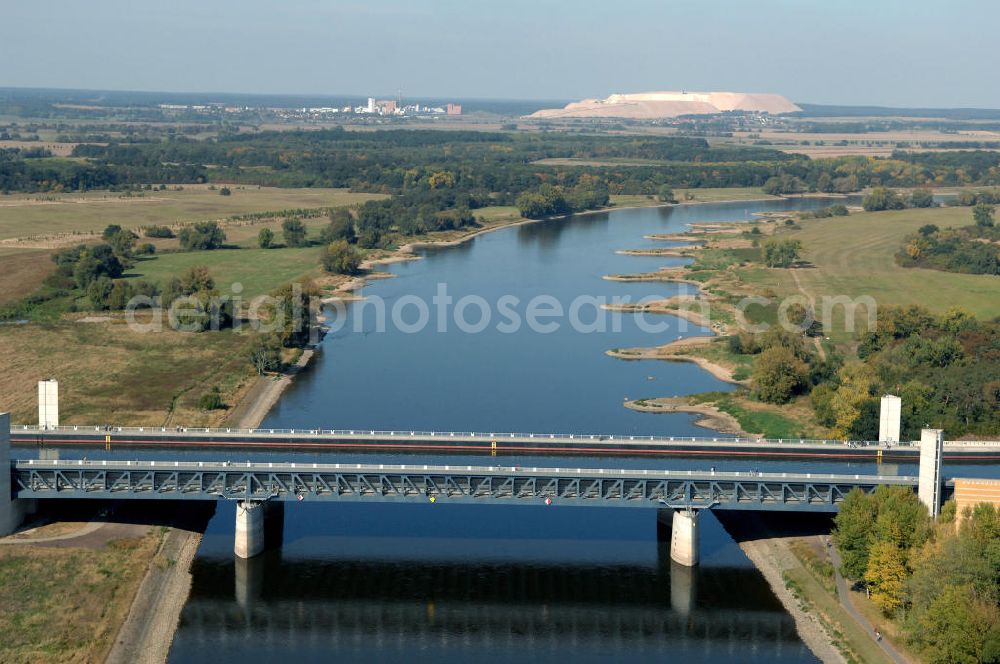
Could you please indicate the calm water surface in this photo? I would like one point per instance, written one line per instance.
(421, 583)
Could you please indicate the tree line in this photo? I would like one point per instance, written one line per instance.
(939, 580)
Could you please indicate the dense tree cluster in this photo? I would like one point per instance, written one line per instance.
(784, 367)
(265, 238)
(292, 311)
(940, 580)
(881, 198)
(194, 303)
(158, 231)
(504, 164)
(339, 257)
(945, 369)
(784, 184)
(778, 252)
(548, 200)
(973, 249)
(202, 236)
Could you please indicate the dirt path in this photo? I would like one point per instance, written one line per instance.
(812, 302)
(844, 595)
(27, 536)
(147, 633)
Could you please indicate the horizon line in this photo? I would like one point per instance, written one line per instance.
(441, 97)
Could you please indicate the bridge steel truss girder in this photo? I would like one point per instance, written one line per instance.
(729, 491)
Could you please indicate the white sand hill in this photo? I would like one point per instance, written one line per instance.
(656, 105)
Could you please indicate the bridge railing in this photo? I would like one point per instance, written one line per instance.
(485, 436)
(480, 435)
(270, 466)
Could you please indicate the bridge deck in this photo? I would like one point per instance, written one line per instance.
(478, 442)
(448, 483)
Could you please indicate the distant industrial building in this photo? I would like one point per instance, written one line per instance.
(454, 109)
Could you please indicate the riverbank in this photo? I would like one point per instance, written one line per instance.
(261, 396)
(791, 552)
(148, 631)
(669, 353)
(773, 558)
(691, 308)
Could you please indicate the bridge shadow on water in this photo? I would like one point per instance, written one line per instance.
(495, 594)
(418, 611)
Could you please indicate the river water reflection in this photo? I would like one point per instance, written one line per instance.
(426, 582)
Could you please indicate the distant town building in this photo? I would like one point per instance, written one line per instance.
(386, 107)
(454, 109)
(371, 105)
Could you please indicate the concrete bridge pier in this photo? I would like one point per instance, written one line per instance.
(684, 538)
(259, 525)
(683, 534)
(249, 528)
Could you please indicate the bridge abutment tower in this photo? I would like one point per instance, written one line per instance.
(12, 511)
(683, 524)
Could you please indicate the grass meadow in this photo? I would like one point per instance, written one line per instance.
(855, 256)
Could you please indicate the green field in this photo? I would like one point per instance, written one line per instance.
(854, 256)
(258, 270)
(25, 215)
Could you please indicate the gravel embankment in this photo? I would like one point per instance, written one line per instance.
(148, 631)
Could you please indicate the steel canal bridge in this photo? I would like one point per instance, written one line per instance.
(264, 487)
(599, 487)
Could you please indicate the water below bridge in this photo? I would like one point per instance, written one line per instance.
(425, 583)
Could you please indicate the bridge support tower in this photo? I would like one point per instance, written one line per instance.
(683, 525)
(929, 487)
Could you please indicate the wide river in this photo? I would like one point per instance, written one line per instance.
(433, 583)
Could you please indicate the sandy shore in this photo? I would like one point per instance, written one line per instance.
(666, 253)
(251, 410)
(148, 631)
(710, 417)
(666, 274)
(687, 307)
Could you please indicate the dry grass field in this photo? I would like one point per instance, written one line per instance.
(22, 271)
(41, 215)
(110, 374)
(873, 144)
(56, 148)
(64, 604)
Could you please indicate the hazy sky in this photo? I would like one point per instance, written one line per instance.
(887, 52)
